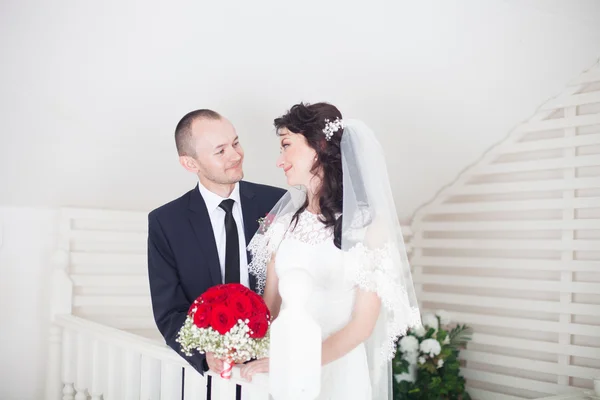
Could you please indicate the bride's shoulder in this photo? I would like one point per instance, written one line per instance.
(360, 218)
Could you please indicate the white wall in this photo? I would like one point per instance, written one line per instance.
(92, 90)
(26, 243)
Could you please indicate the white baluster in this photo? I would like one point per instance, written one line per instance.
(132, 376)
(98, 370)
(114, 373)
(150, 389)
(60, 303)
(82, 381)
(68, 391)
(258, 389)
(53, 378)
(222, 389)
(194, 385)
(251, 392)
(295, 370)
(170, 382)
(68, 364)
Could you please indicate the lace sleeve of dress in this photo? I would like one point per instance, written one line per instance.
(261, 248)
(379, 268)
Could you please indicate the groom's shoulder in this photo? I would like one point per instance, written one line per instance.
(172, 208)
(260, 190)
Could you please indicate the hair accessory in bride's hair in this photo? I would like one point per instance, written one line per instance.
(332, 127)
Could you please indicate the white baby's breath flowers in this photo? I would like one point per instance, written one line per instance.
(236, 342)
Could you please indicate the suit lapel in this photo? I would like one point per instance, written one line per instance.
(249, 212)
(202, 227)
(250, 216)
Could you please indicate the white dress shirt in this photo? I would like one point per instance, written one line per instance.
(217, 219)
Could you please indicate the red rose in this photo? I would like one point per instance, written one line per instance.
(202, 316)
(241, 305)
(215, 295)
(237, 287)
(258, 327)
(222, 319)
(259, 306)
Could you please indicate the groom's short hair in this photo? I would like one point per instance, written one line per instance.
(183, 131)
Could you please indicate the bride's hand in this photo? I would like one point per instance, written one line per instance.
(255, 367)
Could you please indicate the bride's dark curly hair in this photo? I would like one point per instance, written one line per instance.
(309, 121)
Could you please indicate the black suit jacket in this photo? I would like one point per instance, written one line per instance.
(182, 255)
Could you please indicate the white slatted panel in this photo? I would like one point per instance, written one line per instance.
(108, 268)
(512, 248)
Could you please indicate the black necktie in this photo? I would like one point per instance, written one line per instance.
(232, 244)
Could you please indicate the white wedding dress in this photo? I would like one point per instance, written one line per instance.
(372, 257)
(310, 246)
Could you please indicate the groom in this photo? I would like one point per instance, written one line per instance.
(199, 240)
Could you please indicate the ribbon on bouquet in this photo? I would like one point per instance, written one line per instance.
(227, 368)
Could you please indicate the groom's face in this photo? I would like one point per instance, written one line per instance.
(219, 154)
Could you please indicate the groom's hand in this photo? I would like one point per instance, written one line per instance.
(214, 364)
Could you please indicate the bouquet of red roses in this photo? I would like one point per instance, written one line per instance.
(230, 321)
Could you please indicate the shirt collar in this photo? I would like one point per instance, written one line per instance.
(213, 200)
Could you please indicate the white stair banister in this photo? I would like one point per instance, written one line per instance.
(171, 377)
(114, 372)
(257, 391)
(98, 362)
(82, 382)
(68, 362)
(295, 352)
(132, 375)
(195, 385)
(222, 389)
(60, 303)
(150, 389)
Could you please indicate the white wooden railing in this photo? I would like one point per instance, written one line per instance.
(93, 361)
(103, 342)
(99, 362)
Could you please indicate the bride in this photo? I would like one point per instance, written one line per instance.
(342, 229)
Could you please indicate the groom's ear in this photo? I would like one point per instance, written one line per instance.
(189, 163)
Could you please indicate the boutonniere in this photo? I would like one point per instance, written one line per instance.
(265, 222)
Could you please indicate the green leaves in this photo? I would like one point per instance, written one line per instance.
(437, 377)
(460, 335)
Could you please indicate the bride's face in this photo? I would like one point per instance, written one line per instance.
(297, 158)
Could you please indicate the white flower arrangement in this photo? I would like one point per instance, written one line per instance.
(409, 344)
(431, 347)
(430, 321)
(430, 352)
